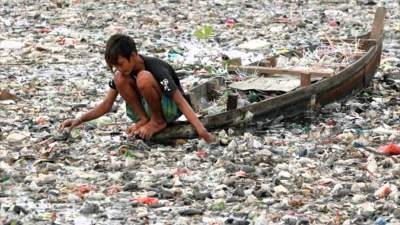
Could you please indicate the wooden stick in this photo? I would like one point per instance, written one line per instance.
(293, 71)
(330, 42)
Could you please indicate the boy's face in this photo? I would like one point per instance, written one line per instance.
(125, 66)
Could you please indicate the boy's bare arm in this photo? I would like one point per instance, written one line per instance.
(96, 112)
(102, 108)
(187, 110)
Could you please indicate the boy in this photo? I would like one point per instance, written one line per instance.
(150, 88)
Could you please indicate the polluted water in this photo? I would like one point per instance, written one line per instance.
(338, 164)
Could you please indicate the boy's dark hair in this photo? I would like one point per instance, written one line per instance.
(119, 44)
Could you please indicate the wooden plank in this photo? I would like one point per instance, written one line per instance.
(236, 61)
(196, 94)
(377, 26)
(305, 80)
(205, 90)
(350, 40)
(267, 62)
(284, 83)
(276, 70)
(232, 102)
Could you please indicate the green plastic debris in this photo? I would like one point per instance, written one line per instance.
(75, 133)
(218, 206)
(129, 154)
(134, 154)
(210, 69)
(227, 62)
(252, 97)
(5, 179)
(204, 32)
(306, 129)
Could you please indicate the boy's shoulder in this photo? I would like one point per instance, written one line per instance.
(153, 59)
(154, 62)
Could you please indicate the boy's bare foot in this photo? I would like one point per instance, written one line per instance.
(136, 126)
(151, 128)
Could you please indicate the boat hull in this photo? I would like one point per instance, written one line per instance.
(347, 82)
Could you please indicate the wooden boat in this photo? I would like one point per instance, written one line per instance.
(307, 96)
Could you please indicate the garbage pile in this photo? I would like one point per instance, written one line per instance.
(336, 165)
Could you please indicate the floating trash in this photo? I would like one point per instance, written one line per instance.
(335, 165)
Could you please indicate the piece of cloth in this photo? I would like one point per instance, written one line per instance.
(162, 72)
(170, 110)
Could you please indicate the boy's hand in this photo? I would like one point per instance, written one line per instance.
(71, 123)
(206, 136)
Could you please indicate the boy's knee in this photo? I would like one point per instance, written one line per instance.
(144, 80)
(119, 79)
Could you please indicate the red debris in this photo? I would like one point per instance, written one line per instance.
(391, 149)
(230, 23)
(44, 30)
(332, 23)
(385, 192)
(279, 142)
(337, 217)
(81, 190)
(330, 122)
(181, 171)
(53, 216)
(146, 200)
(201, 153)
(241, 173)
